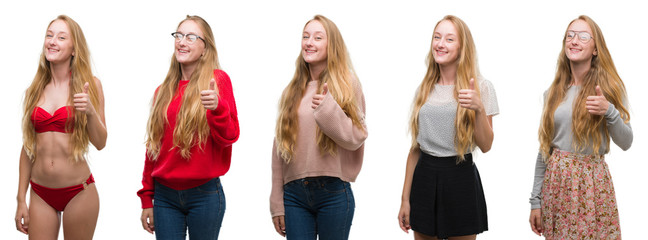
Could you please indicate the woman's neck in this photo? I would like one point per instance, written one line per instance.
(579, 70)
(60, 72)
(316, 70)
(187, 70)
(448, 74)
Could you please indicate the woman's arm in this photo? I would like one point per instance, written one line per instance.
(404, 213)
(96, 118)
(223, 121)
(22, 211)
(536, 198)
(469, 99)
(276, 194)
(334, 122)
(483, 131)
(619, 130)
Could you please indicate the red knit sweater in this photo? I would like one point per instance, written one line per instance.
(171, 170)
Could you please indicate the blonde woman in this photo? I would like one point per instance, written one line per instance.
(64, 111)
(452, 114)
(319, 142)
(191, 129)
(586, 105)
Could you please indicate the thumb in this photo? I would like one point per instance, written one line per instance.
(85, 87)
(472, 84)
(598, 91)
(212, 84)
(325, 89)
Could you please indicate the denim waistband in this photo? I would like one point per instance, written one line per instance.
(319, 180)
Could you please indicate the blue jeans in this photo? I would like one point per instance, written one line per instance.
(318, 205)
(199, 209)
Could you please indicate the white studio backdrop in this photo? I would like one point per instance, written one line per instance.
(258, 41)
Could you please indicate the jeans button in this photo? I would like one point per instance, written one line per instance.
(305, 182)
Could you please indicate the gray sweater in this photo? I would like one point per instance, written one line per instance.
(620, 132)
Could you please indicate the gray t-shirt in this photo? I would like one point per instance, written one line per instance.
(436, 123)
(620, 132)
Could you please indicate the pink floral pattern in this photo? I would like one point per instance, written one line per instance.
(578, 200)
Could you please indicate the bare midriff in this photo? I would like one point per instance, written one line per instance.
(54, 167)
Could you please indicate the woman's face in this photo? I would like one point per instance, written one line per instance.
(188, 52)
(445, 43)
(579, 42)
(58, 45)
(314, 43)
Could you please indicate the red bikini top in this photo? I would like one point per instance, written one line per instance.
(45, 122)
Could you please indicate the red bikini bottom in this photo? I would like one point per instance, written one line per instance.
(58, 198)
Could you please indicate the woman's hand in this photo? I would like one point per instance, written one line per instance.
(536, 221)
(82, 101)
(469, 99)
(318, 98)
(208, 97)
(280, 225)
(148, 220)
(22, 217)
(597, 105)
(404, 217)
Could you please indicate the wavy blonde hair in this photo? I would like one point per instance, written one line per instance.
(191, 125)
(585, 126)
(341, 80)
(80, 73)
(466, 69)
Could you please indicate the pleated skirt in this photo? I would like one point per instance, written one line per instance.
(446, 198)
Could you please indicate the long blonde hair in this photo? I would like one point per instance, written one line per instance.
(466, 69)
(585, 126)
(80, 73)
(342, 83)
(191, 126)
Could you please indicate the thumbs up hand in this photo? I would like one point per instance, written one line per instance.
(208, 97)
(469, 99)
(597, 105)
(82, 101)
(318, 98)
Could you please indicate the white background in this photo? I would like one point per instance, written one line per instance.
(258, 41)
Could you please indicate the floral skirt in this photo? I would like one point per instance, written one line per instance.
(578, 199)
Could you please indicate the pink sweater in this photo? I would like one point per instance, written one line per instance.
(307, 160)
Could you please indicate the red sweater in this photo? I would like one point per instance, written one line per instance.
(171, 170)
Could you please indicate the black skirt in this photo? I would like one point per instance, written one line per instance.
(447, 198)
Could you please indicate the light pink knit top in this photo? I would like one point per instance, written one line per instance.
(308, 161)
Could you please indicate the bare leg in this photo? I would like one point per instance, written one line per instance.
(421, 236)
(467, 237)
(80, 215)
(44, 220)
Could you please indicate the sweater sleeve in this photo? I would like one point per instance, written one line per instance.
(538, 179)
(334, 122)
(223, 121)
(276, 194)
(620, 132)
(148, 186)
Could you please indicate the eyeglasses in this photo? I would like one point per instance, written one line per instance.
(584, 37)
(190, 38)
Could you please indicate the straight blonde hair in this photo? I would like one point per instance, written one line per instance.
(80, 73)
(191, 126)
(586, 127)
(466, 69)
(342, 83)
